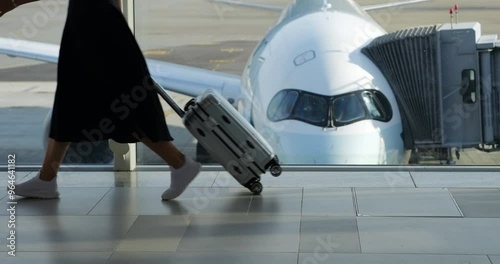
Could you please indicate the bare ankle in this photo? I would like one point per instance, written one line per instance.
(46, 177)
(181, 160)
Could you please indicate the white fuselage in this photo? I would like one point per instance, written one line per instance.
(316, 48)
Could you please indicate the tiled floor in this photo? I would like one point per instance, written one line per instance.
(300, 218)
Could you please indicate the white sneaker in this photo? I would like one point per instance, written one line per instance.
(180, 179)
(36, 188)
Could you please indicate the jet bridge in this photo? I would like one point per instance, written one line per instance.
(446, 79)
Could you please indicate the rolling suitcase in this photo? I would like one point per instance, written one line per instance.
(227, 136)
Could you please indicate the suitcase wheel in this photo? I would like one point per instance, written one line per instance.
(275, 170)
(256, 188)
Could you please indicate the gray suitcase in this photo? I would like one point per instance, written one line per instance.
(227, 137)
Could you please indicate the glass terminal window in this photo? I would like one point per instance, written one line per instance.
(323, 111)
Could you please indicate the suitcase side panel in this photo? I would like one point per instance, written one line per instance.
(236, 127)
(222, 149)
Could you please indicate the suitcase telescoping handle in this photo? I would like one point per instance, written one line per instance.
(168, 98)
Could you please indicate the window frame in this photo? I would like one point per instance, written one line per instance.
(378, 99)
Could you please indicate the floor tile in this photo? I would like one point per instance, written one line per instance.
(73, 201)
(478, 202)
(321, 179)
(216, 220)
(134, 201)
(429, 235)
(4, 234)
(20, 176)
(69, 233)
(328, 202)
(277, 201)
(162, 178)
(254, 233)
(155, 233)
(147, 201)
(495, 259)
(215, 201)
(128, 179)
(201, 257)
(57, 258)
(329, 235)
(90, 179)
(307, 258)
(405, 202)
(226, 180)
(3, 193)
(456, 179)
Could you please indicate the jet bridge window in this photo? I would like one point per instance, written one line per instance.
(323, 111)
(468, 87)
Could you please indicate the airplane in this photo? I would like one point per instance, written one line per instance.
(307, 88)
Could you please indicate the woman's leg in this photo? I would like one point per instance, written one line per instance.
(167, 151)
(184, 170)
(54, 156)
(44, 184)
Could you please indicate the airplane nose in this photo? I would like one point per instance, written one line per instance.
(330, 146)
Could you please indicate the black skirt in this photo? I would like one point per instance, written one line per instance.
(103, 84)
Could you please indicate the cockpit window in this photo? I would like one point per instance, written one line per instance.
(312, 108)
(282, 105)
(325, 111)
(372, 105)
(299, 105)
(347, 109)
